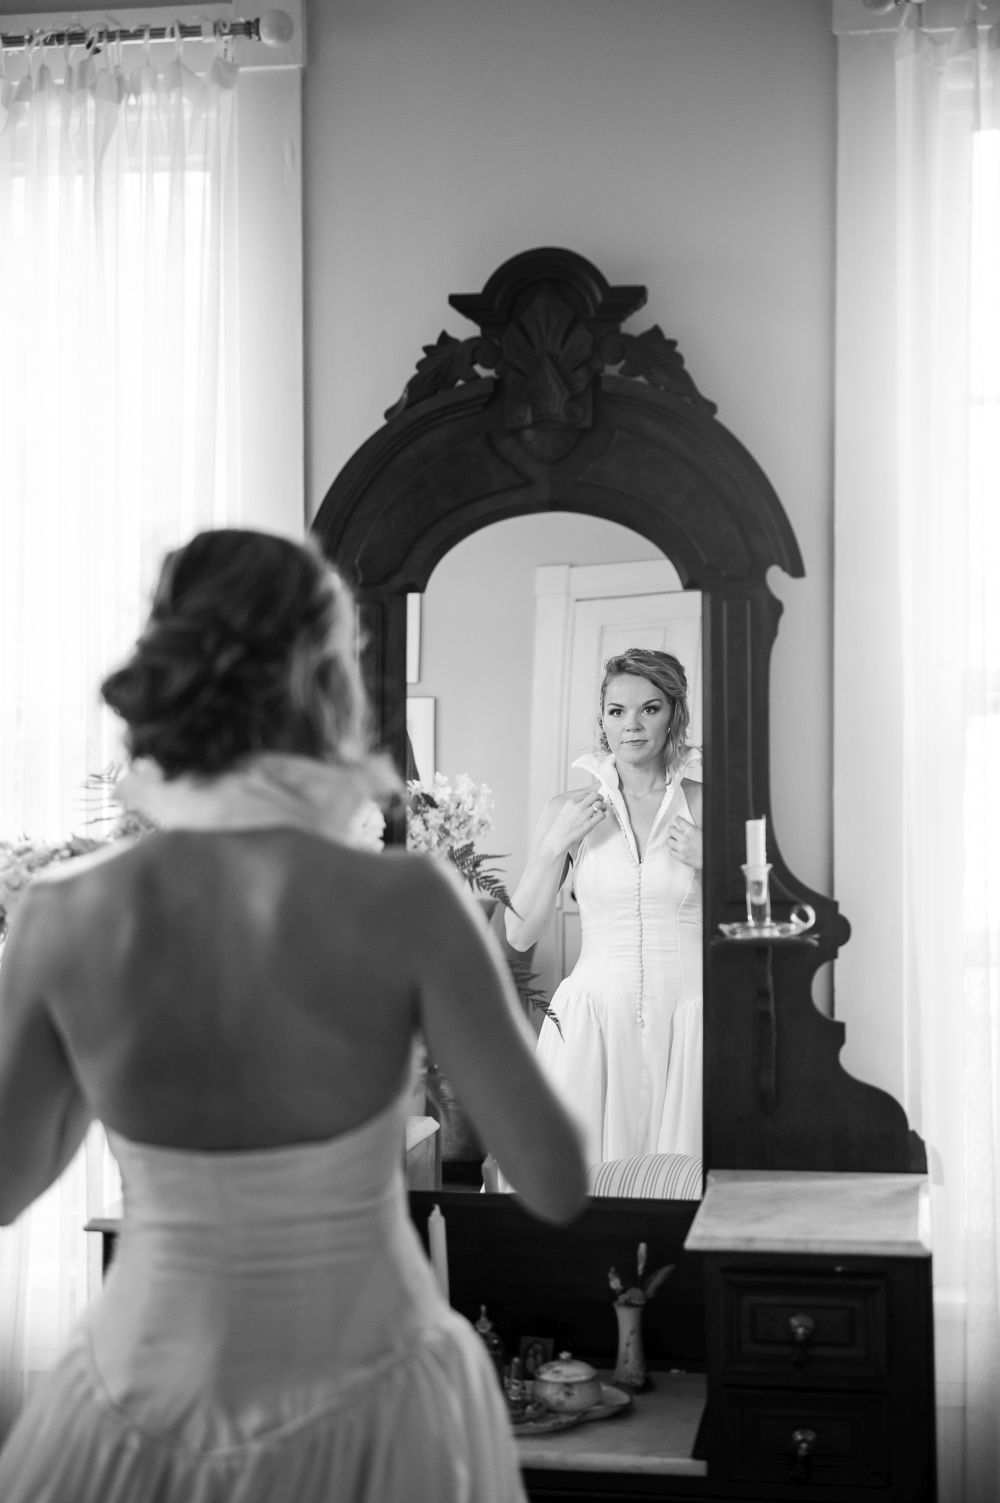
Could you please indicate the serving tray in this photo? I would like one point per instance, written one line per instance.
(538, 1420)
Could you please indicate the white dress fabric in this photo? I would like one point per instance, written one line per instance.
(629, 1061)
(270, 1330)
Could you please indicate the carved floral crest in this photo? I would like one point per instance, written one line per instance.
(546, 343)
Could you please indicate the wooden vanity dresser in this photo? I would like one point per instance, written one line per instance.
(791, 1349)
(800, 1310)
(819, 1335)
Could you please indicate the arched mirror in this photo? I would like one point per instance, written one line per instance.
(551, 414)
(505, 647)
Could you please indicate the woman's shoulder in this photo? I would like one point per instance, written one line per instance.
(63, 885)
(411, 877)
(70, 871)
(693, 793)
(64, 905)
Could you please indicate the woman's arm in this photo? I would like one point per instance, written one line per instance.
(43, 1115)
(565, 820)
(478, 1036)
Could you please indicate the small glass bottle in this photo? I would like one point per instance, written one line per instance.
(517, 1389)
(492, 1342)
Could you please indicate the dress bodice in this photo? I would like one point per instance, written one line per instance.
(194, 1279)
(285, 1187)
(641, 920)
(626, 1054)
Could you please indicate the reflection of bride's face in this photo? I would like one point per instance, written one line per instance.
(636, 720)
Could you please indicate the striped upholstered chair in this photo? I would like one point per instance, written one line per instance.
(650, 1176)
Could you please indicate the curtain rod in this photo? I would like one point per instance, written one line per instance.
(99, 35)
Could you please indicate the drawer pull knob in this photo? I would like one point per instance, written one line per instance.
(803, 1445)
(801, 1328)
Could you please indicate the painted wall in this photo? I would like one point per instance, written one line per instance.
(684, 145)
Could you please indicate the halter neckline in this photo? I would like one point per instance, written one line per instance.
(271, 789)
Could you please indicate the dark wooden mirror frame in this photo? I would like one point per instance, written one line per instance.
(552, 406)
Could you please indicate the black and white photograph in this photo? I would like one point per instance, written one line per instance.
(499, 731)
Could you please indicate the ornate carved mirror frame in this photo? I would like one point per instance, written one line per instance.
(552, 405)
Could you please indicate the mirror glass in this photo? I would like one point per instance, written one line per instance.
(505, 656)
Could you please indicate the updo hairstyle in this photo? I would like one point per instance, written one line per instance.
(663, 670)
(249, 647)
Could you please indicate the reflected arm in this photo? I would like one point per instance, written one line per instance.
(477, 1034)
(564, 822)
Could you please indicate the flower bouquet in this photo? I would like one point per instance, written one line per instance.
(446, 819)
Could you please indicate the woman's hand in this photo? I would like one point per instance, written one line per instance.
(581, 811)
(684, 842)
(565, 820)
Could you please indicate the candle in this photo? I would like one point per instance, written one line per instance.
(438, 1239)
(756, 849)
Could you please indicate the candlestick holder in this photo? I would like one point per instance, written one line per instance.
(758, 895)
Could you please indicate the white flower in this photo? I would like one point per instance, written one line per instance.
(366, 832)
(443, 815)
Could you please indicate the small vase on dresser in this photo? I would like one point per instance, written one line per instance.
(630, 1371)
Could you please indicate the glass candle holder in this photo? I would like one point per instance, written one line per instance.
(758, 895)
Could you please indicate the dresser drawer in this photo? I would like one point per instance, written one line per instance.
(819, 1328)
(798, 1438)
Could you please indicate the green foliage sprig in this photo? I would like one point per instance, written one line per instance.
(644, 1288)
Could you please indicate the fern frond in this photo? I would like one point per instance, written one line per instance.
(531, 995)
(471, 864)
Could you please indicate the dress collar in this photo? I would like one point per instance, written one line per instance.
(601, 765)
(269, 789)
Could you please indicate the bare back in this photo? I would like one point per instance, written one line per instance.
(235, 989)
(255, 988)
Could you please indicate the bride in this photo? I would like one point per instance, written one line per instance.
(626, 1054)
(221, 995)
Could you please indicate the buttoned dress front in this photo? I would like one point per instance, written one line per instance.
(628, 1061)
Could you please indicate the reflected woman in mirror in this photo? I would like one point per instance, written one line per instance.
(235, 996)
(628, 1059)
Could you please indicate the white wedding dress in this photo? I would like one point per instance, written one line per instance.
(270, 1330)
(629, 1061)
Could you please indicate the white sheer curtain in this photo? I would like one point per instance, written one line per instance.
(118, 348)
(948, 502)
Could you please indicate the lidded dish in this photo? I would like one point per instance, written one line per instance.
(566, 1385)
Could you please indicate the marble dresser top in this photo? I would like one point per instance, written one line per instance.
(783, 1210)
